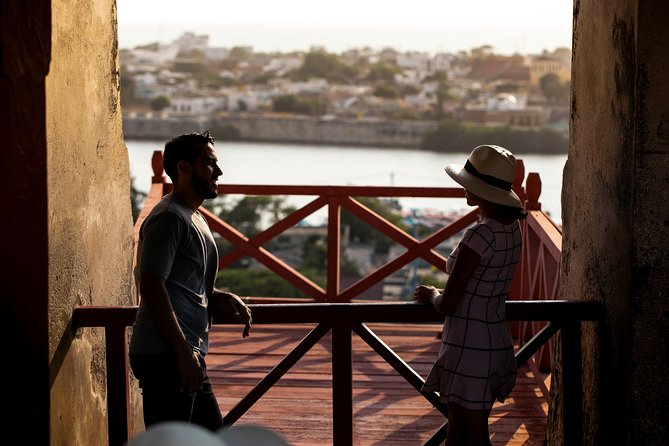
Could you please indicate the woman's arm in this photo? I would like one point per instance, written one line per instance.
(463, 269)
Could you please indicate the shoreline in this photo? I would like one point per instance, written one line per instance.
(288, 129)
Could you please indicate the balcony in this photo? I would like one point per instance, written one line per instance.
(331, 369)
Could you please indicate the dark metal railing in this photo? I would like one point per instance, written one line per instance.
(343, 319)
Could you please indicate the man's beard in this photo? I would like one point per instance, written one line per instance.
(202, 187)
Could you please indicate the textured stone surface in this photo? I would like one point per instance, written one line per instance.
(615, 218)
(89, 219)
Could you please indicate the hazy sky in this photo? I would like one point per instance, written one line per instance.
(432, 25)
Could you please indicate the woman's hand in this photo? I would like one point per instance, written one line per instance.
(425, 293)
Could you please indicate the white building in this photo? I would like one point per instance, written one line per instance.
(197, 106)
(414, 60)
(158, 56)
(506, 102)
(441, 62)
(282, 65)
(216, 54)
(190, 41)
(245, 100)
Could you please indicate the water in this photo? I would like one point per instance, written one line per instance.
(282, 164)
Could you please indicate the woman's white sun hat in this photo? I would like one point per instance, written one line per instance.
(488, 173)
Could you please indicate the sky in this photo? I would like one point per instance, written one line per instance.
(510, 26)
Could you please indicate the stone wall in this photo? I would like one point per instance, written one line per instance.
(90, 223)
(67, 225)
(616, 219)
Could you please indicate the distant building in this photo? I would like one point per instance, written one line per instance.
(441, 62)
(189, 41)
(506, 102)
(543, 65)
(530, 117)
(500, 68)
(216, 54)
(413, 60)
(198, 106)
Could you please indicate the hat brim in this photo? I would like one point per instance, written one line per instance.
(482, 189)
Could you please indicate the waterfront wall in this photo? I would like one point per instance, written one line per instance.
(283, 129)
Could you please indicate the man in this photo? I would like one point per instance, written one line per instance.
(177, 262)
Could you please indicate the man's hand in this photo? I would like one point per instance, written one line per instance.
(230, 302)
(191, 371)
(243, 312)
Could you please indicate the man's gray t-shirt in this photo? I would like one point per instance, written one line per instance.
(176, 244)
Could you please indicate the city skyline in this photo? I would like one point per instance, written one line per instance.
(518, 26)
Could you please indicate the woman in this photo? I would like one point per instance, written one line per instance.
(476, 363)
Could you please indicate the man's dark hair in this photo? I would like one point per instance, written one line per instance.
(183, 147)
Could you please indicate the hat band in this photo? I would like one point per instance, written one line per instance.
(489, 179)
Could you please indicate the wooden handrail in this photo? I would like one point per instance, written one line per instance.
(343, 319)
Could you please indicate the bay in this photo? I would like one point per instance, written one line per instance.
(289, 164)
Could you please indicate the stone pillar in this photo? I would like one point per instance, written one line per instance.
(66, 219)
(615, 216)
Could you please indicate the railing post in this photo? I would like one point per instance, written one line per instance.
(572, 384)
(334, 223)
(118, 406)
(157, 167)
(342, 380)
(533, 190)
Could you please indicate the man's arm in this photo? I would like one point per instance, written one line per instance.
(230, 302)
(154, 294)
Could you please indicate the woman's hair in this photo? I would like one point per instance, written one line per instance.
(183, 147)
(512, 211)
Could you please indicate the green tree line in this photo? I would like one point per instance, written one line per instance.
(451, 136)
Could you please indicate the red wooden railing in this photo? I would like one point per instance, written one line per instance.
(538, 272)
(536, 280)
(343, 319)
(336, 198)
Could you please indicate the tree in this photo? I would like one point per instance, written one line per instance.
(386, 91)
(302, 106)
(443, 93)
(363, 233)
(553, 89)
(452, 136)
(314, 253)
(382, 72)
(136, 199)
(160, 103)
(127, 87)
(259, 282)
(319, 64)
(239, 54)
(248, 213)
